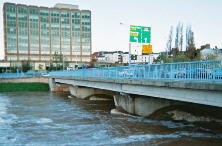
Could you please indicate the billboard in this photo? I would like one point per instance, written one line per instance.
(147, 49)
(140, 34)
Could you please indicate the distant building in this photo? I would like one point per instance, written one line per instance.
(205, 46)
(219, 53)
(145, 59)
(123, 57)
(209, 51)
(35, 34)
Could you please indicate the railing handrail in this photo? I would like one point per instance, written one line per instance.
(19, 75)
(196, 70)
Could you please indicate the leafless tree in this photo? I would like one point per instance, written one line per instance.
(189, 37)
(170, 39)
(191, 51)
(177, 36)
(181, 37)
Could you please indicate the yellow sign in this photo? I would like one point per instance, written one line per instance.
(133, 28)
(134, 34)
(147, 49)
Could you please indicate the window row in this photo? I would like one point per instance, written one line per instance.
(10, 8)
(23, 24)
(34, 20)
(23, 18)
(11, 41)
(22, 10)
(22, 41)
(11, 30)
(33, 11)
(22, 32)
(44, 12)
(11, 23)
(11, 16)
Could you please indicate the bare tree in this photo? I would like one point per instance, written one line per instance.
(189, 37)
(191, 51)
(177, 36)
(170, 39)
(181, 37)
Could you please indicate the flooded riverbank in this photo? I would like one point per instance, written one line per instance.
(43, 118)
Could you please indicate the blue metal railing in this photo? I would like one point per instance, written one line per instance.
(197, 70)
(19, 75)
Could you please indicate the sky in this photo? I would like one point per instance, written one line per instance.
(205, 17)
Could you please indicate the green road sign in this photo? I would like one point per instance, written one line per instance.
(140, 34)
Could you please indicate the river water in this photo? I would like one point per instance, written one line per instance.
(44, 118)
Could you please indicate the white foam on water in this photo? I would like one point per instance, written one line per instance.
(5, 118)
(147, 137)
(117, 112)
(99, 134)
(2, 120)
(7, 133)
(44, 121)
(3, 106)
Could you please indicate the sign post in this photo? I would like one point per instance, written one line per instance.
(139, 34)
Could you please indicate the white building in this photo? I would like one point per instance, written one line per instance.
(145, 59)
(123, 57)
(208, 51)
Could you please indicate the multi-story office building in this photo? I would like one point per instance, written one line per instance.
(36, 34)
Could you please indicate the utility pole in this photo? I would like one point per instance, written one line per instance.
(63, 62)
(129, 54)
(129, 61)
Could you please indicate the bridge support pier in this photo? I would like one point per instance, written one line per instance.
(139, 105)
(55, 87)
(81, 92)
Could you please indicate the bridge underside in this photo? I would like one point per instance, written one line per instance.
(206, 97)
(135, 97)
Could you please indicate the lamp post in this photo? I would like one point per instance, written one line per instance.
(76, 61)
(129, 60)
(62, 59)
(129, 53)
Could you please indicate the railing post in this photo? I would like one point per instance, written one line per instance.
(171, 72)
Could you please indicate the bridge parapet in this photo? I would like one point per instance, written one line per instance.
(207, 71)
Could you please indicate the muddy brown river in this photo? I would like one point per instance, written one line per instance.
(47, 119)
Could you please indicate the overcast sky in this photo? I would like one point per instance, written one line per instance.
(205, 17)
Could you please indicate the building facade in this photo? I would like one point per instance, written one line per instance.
(206, 52)
(123, 57)
(42, 35)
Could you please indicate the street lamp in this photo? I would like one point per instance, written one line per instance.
(62, 57)
(129, 61)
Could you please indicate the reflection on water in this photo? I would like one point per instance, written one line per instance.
(43, 118)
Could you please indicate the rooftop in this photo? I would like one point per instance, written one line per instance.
(66, 6)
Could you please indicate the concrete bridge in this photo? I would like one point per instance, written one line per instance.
(145, 89)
